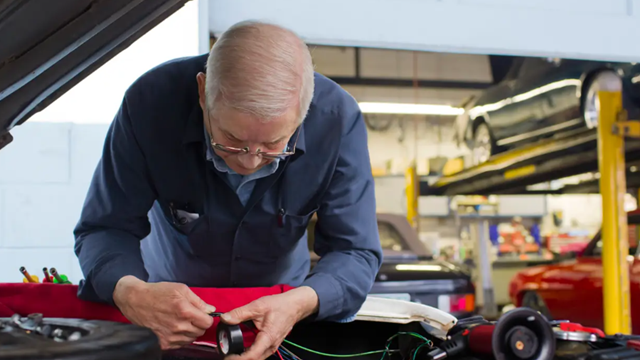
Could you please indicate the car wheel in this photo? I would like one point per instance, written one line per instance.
(590, 107)
(482, 146)
(532, 300)
(34, 337)
(590, 99)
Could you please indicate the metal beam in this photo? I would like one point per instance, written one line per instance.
(427, 25)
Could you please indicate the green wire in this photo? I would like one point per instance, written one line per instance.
(335, 355)
(383, 352)
(418, 349)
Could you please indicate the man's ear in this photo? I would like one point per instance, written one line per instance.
(202, 81)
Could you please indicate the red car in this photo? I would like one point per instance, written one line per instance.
(572, 289)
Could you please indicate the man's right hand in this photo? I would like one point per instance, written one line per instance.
(174, 313)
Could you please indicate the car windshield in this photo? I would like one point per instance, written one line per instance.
(390, 238)
(633, 234)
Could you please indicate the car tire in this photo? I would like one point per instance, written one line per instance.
(94, 340)
(590, 94)
(482, 145)
(589, 109)
(532, 300)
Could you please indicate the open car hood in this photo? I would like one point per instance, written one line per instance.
(47, 47)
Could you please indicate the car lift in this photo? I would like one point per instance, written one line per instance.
(578, 152)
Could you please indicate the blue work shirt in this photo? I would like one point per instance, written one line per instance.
(161, 208)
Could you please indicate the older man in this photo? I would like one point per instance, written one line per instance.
(219, 175)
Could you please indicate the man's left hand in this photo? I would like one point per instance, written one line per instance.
(274, 316)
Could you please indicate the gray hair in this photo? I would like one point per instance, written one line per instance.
(259, 68)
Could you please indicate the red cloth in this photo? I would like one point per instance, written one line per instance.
(61, 301)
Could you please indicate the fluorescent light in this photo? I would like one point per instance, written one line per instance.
(418, 267)
(413, 109)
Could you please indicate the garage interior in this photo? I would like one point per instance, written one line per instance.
(546, 220)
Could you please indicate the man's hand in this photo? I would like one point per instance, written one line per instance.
(274, 316)
(174, 313)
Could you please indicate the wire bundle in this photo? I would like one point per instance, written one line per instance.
(286, 354)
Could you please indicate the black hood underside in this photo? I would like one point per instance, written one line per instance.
(48, 46)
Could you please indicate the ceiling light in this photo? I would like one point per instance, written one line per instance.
(418, 267)
(413, 109)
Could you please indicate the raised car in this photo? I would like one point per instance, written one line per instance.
(539, 98)
(409, 272)
(572, 289)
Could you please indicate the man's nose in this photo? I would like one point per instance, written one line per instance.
(249, 161)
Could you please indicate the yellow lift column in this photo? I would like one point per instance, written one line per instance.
(412, 192)
(612, 128)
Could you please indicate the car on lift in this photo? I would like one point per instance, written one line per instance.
(572, 289)
(409, 271)
(538, 98)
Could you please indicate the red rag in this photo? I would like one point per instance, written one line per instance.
(61, 301)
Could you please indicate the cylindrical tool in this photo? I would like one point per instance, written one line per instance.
(59, 278)
(28, 278)
(47, 278)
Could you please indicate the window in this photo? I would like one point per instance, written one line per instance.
(633, 242)
(390, 238)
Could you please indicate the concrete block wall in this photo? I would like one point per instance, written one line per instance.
(45, 172)
(45, 176)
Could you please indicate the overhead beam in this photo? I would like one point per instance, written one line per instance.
(461, 26)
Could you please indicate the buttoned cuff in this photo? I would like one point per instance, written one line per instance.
(101, 285)
(330, 295)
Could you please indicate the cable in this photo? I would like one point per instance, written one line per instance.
(281, 358)
(417, 350)
(290, 353)
(286, 354)
(383, 352)
(336, 355)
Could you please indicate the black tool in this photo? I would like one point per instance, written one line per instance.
(519, 334)
(230, 338)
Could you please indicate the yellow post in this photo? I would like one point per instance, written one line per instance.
(412, 191)
(615, 242)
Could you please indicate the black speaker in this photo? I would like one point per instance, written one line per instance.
(523, 334)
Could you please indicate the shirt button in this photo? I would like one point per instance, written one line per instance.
(234, 283)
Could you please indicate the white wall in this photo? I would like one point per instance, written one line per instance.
(578, 211)
(403, 141)
(46, 170)
(594, 29)
(433, 135)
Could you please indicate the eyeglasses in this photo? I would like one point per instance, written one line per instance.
(287, 151)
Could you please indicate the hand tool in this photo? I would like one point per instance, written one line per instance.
(59, 278)
(47, 278)
(28, 278)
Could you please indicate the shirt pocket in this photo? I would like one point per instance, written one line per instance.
(288, 232)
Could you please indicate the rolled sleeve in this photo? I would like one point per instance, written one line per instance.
(114, 216)
(346, 233)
